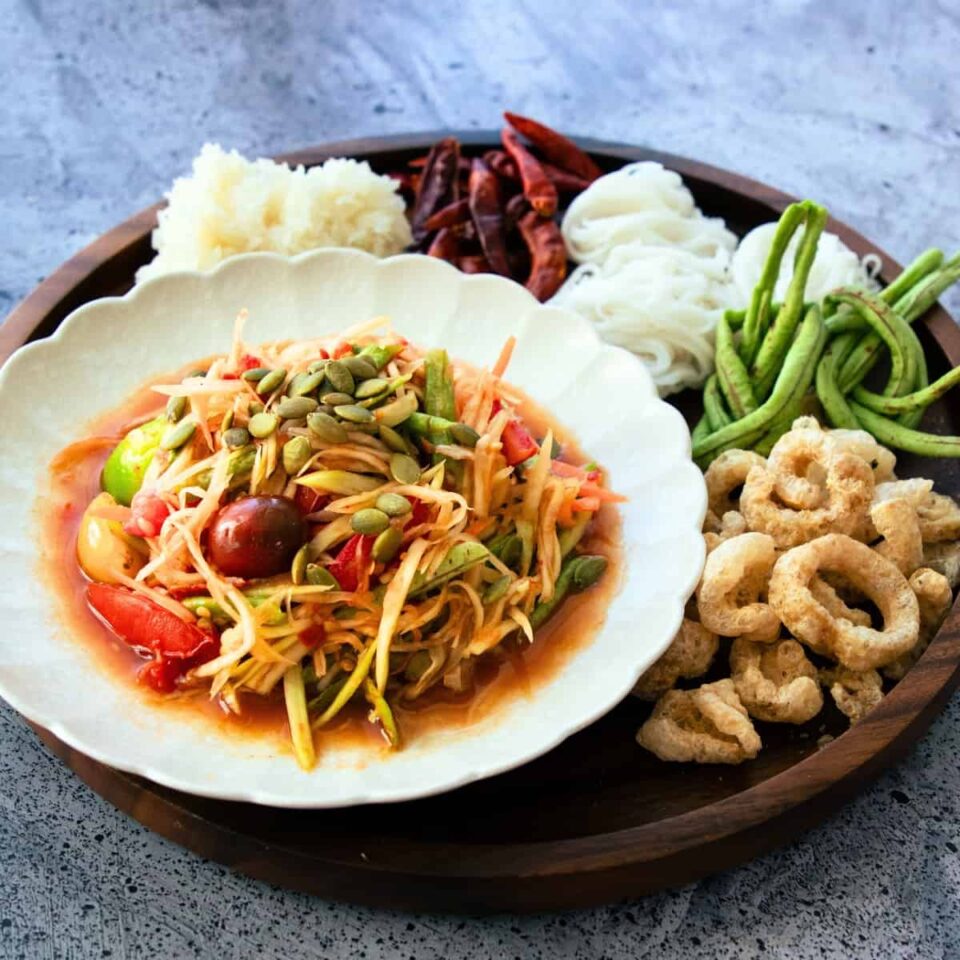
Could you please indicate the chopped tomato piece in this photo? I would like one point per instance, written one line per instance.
(150, 629)
(342, 349)
(518, 443)
(148, 510)
(350, 564)
(313, 636)
(309, 501)
(249, 362)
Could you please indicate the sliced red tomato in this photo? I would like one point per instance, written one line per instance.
(148, 510)
(518, 443)
(350, 564)
(342, 349)
(150, 629)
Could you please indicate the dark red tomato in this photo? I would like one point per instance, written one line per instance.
(256, 536)
(518, 443)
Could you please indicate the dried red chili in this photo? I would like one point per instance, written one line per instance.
(438, 186)
(564, 181)
(486, 209)
(555, 147)
(474, 263)
(548, 256)
(537, 187)
(445, 246)
(449, 216)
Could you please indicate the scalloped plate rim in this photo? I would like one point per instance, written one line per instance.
(676, 597)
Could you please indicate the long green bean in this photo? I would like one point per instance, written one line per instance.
(732, 373)
(893, 434)
(794, 378)
(757, 319)
(713, 406)
(919, 399)
(828, 393)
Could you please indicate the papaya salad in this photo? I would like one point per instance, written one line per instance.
(343, 522)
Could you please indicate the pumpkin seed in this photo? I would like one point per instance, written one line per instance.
(271, 381)
(341, 379)
(298, 569)
(254, 408)
(371, 388)
(178, 435)
(362, 368)
(464, 434)
(193, 374)
(317, 366)
(227, 422)
(261, 425)
(392, 439)
(326, 428)
(294, 408)
(386, 545)
(353, 413)
(306, 384)
(341, 482)
(370, 521)
(235, 437)
(336, 399)
(404, 469)
(296, 453)
(255, 375)
(318, 576)
(394, 504)
(395, 412)
(176, 408)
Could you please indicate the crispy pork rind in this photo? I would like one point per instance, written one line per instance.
(856, 647)
(945, 559)
(849, 492)
(729, 526)
(775, 681)
(727, 473)
(865, 446)
(688, 656)
(915, 490)
(939, 517)
(799, 462)
(706, 725)
(735, 577)
(854, 692)
(934, 597)
(826, 594)
(897, 522)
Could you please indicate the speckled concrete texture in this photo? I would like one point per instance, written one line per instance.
(103, 103)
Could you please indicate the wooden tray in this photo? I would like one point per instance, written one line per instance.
(595, 820)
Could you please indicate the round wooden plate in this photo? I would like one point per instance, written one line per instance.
(597, 819)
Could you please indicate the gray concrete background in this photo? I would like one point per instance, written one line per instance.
(103, 103)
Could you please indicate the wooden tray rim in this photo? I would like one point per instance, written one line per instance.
(859, 755)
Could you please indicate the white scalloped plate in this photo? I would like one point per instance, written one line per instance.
(51, 389)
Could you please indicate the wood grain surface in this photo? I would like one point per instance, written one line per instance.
(596, 819)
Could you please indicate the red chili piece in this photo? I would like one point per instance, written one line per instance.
(486, 209)
(563, 180)
(548, 256)
(438, 186)
(176, 646)
(537, 187)
(555, 147)
(349, 565)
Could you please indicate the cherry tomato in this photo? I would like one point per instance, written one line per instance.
(256, 536)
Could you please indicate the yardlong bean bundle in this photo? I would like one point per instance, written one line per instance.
(764, 374)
